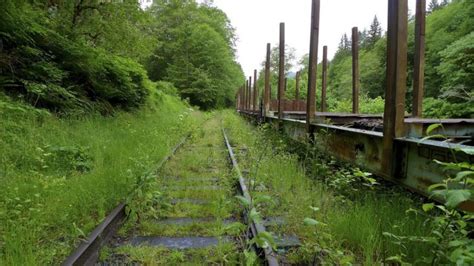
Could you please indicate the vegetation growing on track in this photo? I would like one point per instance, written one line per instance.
(339, 213)
(198, 172)
(60, 177)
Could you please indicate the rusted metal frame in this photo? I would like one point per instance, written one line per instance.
(415, 128)
(281, 71)
(313, 64)
(394, 110)
(87, 252)
(324, 79)
(255, 91)
(355, 71)
(255, 227)
(266, 98)
(458, 128)
(419, 64)
(364, 148)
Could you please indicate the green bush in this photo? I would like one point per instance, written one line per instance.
(367, 105)
(167, 88)
(457, 65)
(61, 177)
(53, 72)
(439, 108)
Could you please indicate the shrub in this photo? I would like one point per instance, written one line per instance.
(167, 88)
(53, 72)
(367, 105)
(441, 108)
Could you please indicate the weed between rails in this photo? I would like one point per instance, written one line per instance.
(196, 186)
(60, 177)
(340, 214)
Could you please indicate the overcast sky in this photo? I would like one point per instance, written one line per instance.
(257, 23)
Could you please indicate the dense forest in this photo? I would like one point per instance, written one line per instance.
(71, 56)
(449, 69)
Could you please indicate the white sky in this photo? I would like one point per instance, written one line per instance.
(257, 23)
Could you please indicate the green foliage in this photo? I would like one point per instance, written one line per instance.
(439, 108)
(54, 72)
(65, 159)
(167, 88)
(366, 105)
(449, 241)
(444, 27)
(119, 27)
(345, 223)
(199, 60)
(369, 38)
(457, 66)
(448, 69)
(60, 177)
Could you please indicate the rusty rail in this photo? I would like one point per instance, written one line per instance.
(256, 228)
(87, 252)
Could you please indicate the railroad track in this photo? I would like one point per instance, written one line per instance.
(187, 214)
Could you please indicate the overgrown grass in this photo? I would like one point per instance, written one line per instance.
(349, 218)
(198, 173)
(60, 177)
(222, 254)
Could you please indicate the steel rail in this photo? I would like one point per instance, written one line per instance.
(255, 227)
(87, 252)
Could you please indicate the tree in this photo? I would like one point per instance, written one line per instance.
(104, 24)
(435, 5)
(457, 69)
(275, 59)
(345, 44)
(195, 51)
(343, 49)
(374, 34)
(363, 38)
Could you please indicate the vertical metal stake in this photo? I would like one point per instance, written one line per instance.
(255, 91)
(266, 98)
(297, 86)
(250, 94)
(281, 72)
(313, 64)
(394, 111)
(324, 79)
(247, 95)
(355, 71)
(419, 64)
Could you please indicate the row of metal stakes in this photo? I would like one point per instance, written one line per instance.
(248, 95)
(248, 100)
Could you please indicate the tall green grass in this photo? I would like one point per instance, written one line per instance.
(351, 219)
(60, 177)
